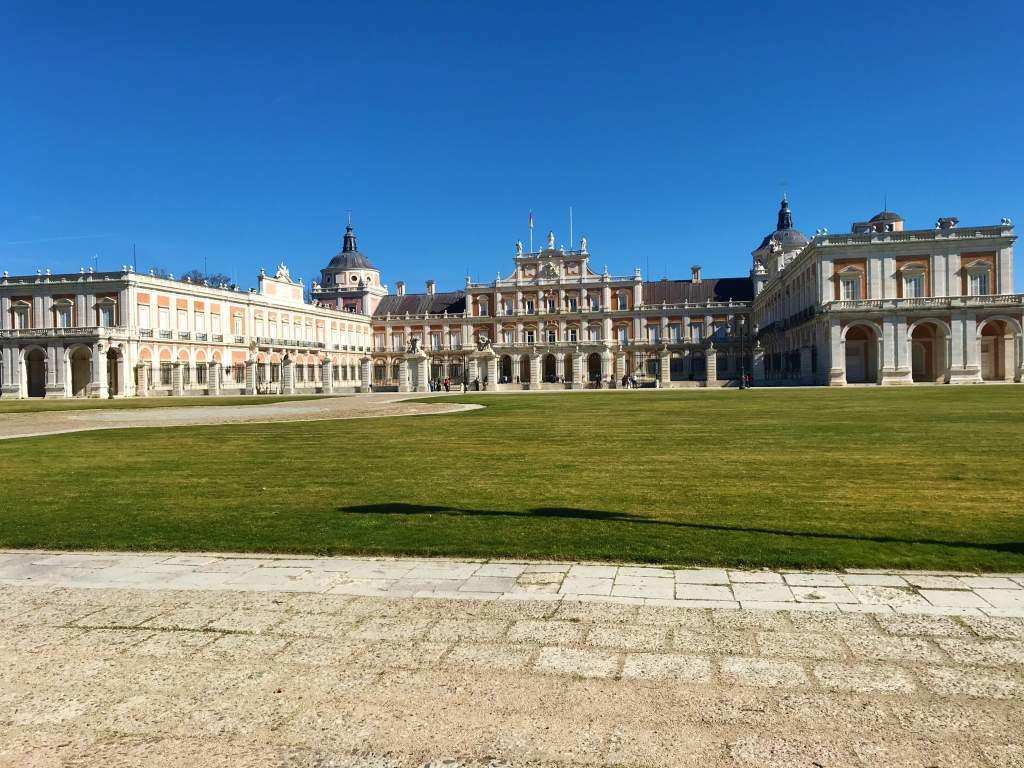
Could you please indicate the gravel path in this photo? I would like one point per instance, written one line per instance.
(346, 407)
(263, 674)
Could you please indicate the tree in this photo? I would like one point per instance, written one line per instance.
(194, 275)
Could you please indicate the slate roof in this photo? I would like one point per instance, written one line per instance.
(420, 303)
(710, 289)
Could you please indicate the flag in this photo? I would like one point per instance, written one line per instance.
(531, 220)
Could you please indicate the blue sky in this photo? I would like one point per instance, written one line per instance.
(241, 134)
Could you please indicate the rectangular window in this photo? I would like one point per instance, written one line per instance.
(238, 325)
(239, 374)
(978, 284)
(623, 335)
(594, 333)
(531, 337)
(182, 320)
(508, 337)
(697, 332)
(397, 344)
(62, 316)
(552, 336)
(144, 317)
(531, 308)
(573, 305)
(164, 318)
(456, 340)
(166, 371)
(272, 329)
(508, 307)
(850, 289)
(378, 342)
(200, 321)
(20, 318)
(435, 340)
(552, 305)
(676, 332)
(186, 375)
(573, 335)
(201, 374)
(300, 374)
(215, 324)
(913, 286)
(106, 315)
(259, 326)
(654, 333)
(595, 303)
(622, 301)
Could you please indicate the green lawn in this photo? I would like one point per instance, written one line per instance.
(911, 478)
(34, 405)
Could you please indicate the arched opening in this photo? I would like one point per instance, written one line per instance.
(594, 366)
(35, 373)
(524, 369)
(861, 355)
(114, 377)
(81, 369)
(928, 353)
(549, 368)
(677, 367)
(996, 350)
(569, 373)
(505, 369)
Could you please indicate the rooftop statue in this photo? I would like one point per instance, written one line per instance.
(551, 240)
(519, 247)
(583, 245)
(282, 272)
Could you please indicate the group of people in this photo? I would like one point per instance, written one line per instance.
(436, 385)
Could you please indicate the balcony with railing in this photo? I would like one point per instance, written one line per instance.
(926, 303)
(80, 332)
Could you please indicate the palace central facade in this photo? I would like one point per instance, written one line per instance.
(880, 304)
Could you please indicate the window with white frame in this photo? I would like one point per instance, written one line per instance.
(531, 336)
(697, 332)
(508, 337)
(675, 332)
(595, 303)
(654, 333)
(622, 334)
(238, 325)
(215, 324)
(573, 335)
(200, 321)
(573, 304)
(594, 333)
(456, 339)
(163, 316)
(508, 307)
(622, 302)
(62, 314)
(105, 314)
(397, 342)
(552, 335)
(849, 288)
(531, 308)
(435, 340)
(20, 316)
(913, 284)
(977, 279)
(552, 305)
(259, 326)
(378, 342)
(483, 308)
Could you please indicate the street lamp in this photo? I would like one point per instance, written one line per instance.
(743, 359)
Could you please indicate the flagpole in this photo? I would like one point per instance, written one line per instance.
(570, 227)
(531, 231)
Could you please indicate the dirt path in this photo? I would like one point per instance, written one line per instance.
(350, 407)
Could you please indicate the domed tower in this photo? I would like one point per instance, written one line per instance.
(883, 221)
(350, 280)
(777, 248)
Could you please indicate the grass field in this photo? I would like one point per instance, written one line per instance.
(929, 477)
(73, 404)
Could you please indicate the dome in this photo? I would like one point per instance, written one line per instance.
(885, 216)
(784, 234)
(349, 256)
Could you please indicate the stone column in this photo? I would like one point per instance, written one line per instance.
(620, 369)
(250, 376)
(423, 368)
(711, 363)
(364, 375)
(287, 376)
(11, 386)
(534, 371)
(404, 385)
(142, 376)
(758, 364)
(492, 370)
(177, 384)
(327, 376)
(99, 371)
(579, 372)
(606, 366)
(664, 368)
(213, 377)
(806, 376)
(54, 381)
(964, 366)
(837, 354)
(472, 372)
(559, 366)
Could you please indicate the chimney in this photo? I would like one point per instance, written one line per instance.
(400, 287)
(695, 274)
(430, 287)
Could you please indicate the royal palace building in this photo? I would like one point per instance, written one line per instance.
(878, 305)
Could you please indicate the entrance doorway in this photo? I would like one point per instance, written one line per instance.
(35, 373)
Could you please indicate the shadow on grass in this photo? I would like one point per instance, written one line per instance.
(569, 513)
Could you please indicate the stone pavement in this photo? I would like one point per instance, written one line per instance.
(192, 660)
(851, 591)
